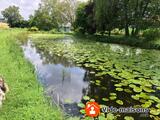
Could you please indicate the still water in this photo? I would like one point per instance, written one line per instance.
(67, 83)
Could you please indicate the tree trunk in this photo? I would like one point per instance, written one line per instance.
(133, 30)
(126, 30)
(126, 17)
(109, 33)
(140, 16)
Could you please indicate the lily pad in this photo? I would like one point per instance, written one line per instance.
(112, 97)
(132, 86)
(137, 89)
(135, 97)
(128, 118)
(158, 105)
(147, 104)
(113, 94)
(119, 89)
(147, 89)
(105, 99)
(81, 105)
(154, 111)
(98, 81)
(86, 98)
(120, 102)
(118, 85)
(82, 111)
(127, 91)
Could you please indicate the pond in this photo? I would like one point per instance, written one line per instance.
(74, 71)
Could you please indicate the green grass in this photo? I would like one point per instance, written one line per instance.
(25, 100)
(46, 36)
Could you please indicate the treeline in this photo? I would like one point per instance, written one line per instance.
(103, 16)
(95, 16)
(49, 15)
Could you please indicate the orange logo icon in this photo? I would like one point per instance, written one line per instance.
(92, 109)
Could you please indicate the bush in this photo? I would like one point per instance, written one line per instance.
(151, 34)
(4, 26)
(33, 29)
(53, 31)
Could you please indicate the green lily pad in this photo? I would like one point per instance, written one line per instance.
(120, 102)
(127, 91)
(147, 89)
(110, 116)
(154, 111)
(105, 99)
(92, 100)
(86, 98)
(81, 105)
(118, 85)
(142, 101)
(137, 89)
(144, 95)
(158, 105)
(98, 84)
(156, 99)
(119, 89)
(113, 94)
(132, 86)
(112, 97)
(128, 118)
(135, 97)
(147, 104)
(98, 81)
(158, 88)
(82, 111)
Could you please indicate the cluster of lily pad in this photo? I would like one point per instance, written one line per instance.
(137, 74)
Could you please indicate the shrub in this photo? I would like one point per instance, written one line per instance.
(33, 29)
(151, 34)
(53, 31)
(4, 26)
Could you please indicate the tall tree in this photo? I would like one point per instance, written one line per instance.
(12, 15)
(106, 14)
(85, 22)
(43, 18)
(62, 10)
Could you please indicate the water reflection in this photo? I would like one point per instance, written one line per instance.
(63, 81)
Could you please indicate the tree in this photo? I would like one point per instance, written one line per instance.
(12, 15)
(43, 19)
(106, 14)
(85, 21)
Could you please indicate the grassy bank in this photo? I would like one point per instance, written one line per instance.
(140, 42)
(25, 99)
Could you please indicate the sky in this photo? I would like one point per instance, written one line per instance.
(27, 7)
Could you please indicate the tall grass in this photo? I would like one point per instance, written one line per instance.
(25, 101)
(4, 25)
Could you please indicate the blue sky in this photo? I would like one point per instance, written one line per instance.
(27, 7)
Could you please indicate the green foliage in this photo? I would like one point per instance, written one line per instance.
(130, 15)
(33, 29)
(106, 15)
(42, 19)
(84, 22)
(151, 34)
(53, 31)
(12, 15)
